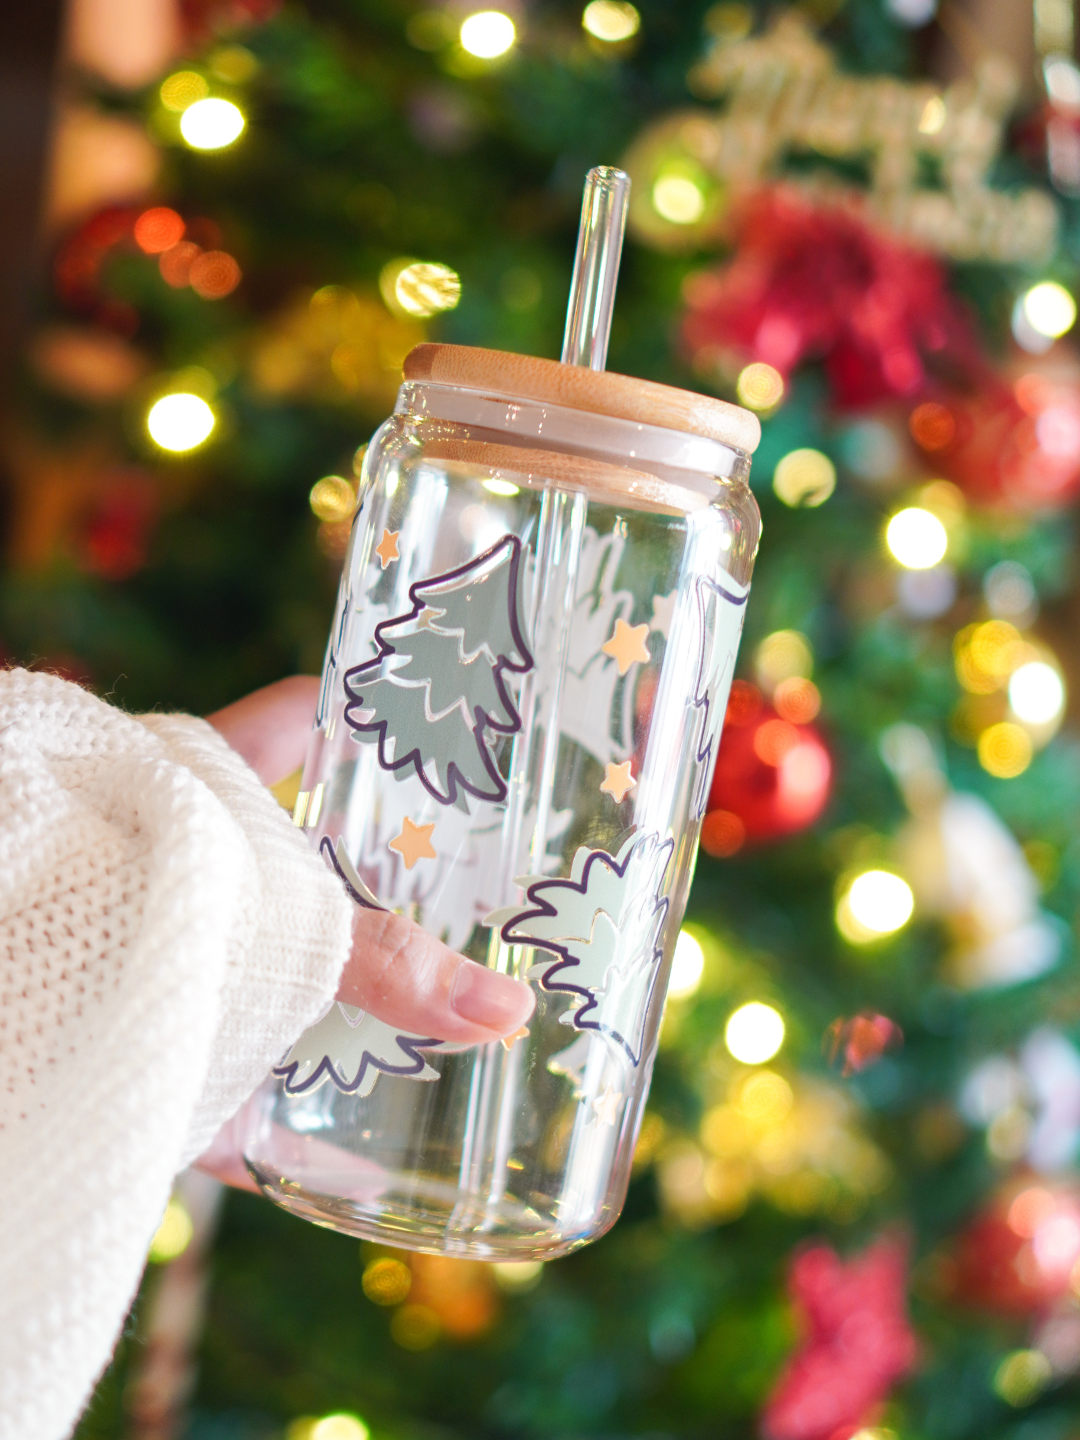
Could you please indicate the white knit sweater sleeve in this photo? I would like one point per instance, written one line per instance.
(165, 934)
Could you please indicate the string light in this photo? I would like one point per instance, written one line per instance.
(797, 700)
(183, 89)
(754, 1033)
(158, 229)
(611, 20)
(386, 1281)
(760, 386)
(1022, 1376)
(877, 903)
(1004, 750)
(419, 288)
(783, 655)
(487, 34)
(916, 538)
(211, 124)
(214, 274)
(339, 1427)
(1036, 693)
(180, 422)
(173, 1235)
(678, 199)
(687, 966)
(804, 477)
(1049, 309)
(332, 498)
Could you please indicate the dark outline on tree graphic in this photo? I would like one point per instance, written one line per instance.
(703, 750)
(567, 960)
(354, 681)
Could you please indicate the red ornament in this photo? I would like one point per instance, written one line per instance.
(857, 1343)
(816, 281)
(1017, 445)
(772, 776)
(861, 1041)
(1019, 1256)
(116, 531)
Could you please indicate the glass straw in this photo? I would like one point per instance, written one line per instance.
(596, 267)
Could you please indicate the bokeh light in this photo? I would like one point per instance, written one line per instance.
(932, 426)
(1049, 309)
(723, 833)
(1036, 693)
(797, 699)
(804, 477)
(180, 422)
(419, 288)
(516, 1276)
(386, 1281)
(760, 386)
(341, 1426)
(678, 199)
(214, 274)
(415, 1327)
(183, 89)
(504, 488)
(1022, 1376)
(211, 124)
(773, 739)
(173, 1235)
(687, 966)
(158, 229)
(986, 655)
(916, 538)
(332, 498)
(783, 655)
(754, 1033)
(487, 34)
(1004, 750)
(176, 262)
(879, 902)
(611, 20)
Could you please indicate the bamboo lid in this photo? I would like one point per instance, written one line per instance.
(599, 391)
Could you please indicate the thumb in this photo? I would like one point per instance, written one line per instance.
(404, 976)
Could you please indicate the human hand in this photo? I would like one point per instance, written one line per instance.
(396, 971)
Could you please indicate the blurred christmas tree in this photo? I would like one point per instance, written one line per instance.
(873, 1044)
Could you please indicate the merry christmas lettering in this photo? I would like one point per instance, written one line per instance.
(926, 153)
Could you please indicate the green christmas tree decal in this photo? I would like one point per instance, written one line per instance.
(436, 696)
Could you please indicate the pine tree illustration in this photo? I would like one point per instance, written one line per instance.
(604, 926)
(436, 697)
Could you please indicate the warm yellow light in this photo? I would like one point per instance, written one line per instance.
(183, 89)
(987, 654)
(677, 199)
(804, 477)
(880, 902)
(332, 498)
(173, 1235)
(760, 386)
(783, 655)
(611, 20)
(211, 124)
(1049, 309)
(932, 119)
(1036, 693)
(1021, 1377)
(916, 538)
(180, 422)
(1004, 750)
(339, 1427)
(687, 966)
(425, 288)
(487, 34)
(518, 1275)
(754, 1033)
(386, 1281)
(501, 487)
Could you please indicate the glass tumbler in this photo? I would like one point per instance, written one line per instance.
(523, 692)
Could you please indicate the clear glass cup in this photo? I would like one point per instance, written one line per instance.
(523, 691)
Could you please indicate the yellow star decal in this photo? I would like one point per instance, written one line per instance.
(618, 781)
(627, 645)
(414, 843)
(387, 549)
(509, 1041)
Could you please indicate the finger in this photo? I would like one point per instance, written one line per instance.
(405, 977)
(224, 1158)
(270, 728)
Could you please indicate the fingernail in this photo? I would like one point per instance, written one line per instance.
(487, 998)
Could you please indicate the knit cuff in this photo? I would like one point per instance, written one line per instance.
(290, 940)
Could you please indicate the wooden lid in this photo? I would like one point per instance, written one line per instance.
(599, 391)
